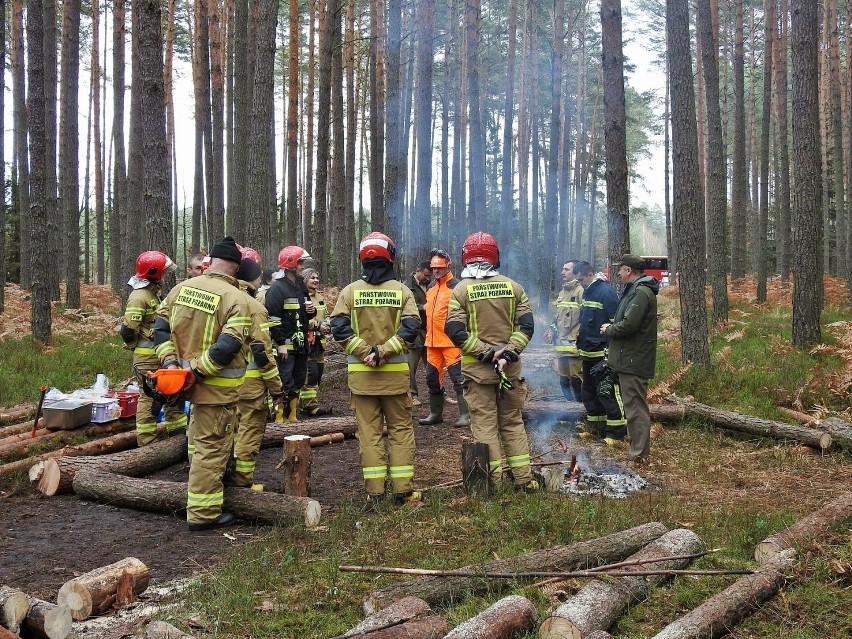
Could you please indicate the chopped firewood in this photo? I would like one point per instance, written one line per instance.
(397, 613)
(510, 616)
(812, 526)
(95, 591)
(14, 606)
(47, 620)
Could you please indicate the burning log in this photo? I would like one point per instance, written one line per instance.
(276, 433)
(58, 475)
(14, 606)
(297, 465)
(169, 497)
(593, 552)
(476, 476)
(163, 630)
(599, 603)
(95, 430)
(407, 618)
(815, 524)
(96, 591)
(756, 426)
(716, 616)
(47, 620)
(506, 618)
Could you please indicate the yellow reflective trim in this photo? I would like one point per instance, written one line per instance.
(144, 350)
(204, 499)
(164, 348)
(592, 304)
(566, 349)
(518, 460)
(454, 303)
(146, 428)
(244, 466)
(520, 337)
(595, 418)
(272, 373)
(238, 321)
(375, 472)
(377, 369)
(253, 372)
(495, 463)
(469, 359)
(401, 471)
(307, 394)
(593, 354)
(290, 307)
(230, 382)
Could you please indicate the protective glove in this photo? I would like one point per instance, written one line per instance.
(503, 384)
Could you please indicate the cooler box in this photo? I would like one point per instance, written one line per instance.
(67, 414)
(105, 410)
(128, 401)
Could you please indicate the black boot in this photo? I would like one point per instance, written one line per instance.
(436, 411)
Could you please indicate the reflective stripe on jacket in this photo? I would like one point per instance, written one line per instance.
(568, 318)
(139, 316)
(598, 308)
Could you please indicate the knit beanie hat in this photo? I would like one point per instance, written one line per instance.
(249, 271)
(227, 250)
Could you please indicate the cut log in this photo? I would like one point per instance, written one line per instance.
(325, 440)
(163, 630)
(397, 613)
(716, 616)
(22, 436)
(756, 426)
(95, 430)
(58, 476)
(802, 418)
(47, 620)
(36, 471)
(563, 411)
(14, 429)
(840, 431)
(814, 525)
(276, 433)
(17, 413)
(476, 476)
(95, 591)
(583, 554)
(431, 627)
(510, 616)
(297, 465)
(14, 606)
(169, 497)
(599, 603)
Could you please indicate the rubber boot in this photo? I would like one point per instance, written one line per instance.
(436, 411)
(464, 413)
(293, 406)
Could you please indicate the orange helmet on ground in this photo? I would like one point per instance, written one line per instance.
(249, 253)
(290, 256)
(480, 247)
(377, 246)
(439, 259)
(151, 265)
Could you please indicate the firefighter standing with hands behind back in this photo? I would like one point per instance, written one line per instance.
(201, 327)
(490, 319)
(563, 334)
(137, 334)
(375, 319)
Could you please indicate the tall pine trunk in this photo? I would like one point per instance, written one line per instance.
(760, 252)
(783, 232)
(378, 214)
(69, 147)
(477, 213)
(421, 229)
(506, 188)
(21, 127)
(292, 200)
(739, 167)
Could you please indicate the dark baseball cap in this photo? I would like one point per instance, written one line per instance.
(633, 261)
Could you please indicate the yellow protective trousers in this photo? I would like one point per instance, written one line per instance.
(498, 423)
(371, 414)
(213, 436)
(253, 414)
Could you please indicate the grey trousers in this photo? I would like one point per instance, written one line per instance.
(634, 395)
(416, 355)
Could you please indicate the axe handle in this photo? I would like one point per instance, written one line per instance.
(38, 411)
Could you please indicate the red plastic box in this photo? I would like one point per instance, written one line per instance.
(128, 401)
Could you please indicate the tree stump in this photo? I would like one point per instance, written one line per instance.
(584, 554)
(47, 620)
(599, 603)
(476, 475)
(14, 606)
(297, 465)
(817, 523)
(169, 497)
(716, 616)
(95, 591)
(506, 618)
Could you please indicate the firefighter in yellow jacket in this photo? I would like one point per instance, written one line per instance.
(318, 328)
(563, 334)
(202, 326)
(375, 319)
(491, 321)
(262, 387)
(137, 334)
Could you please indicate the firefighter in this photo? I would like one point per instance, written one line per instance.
(604, 412)
(318, 328)
(136, 332)
(490, 320)
(290, 311)
(202, 326)
(563, 334)
(419, 284)
(375, 319)
(265, 282)
(193, 265)
(262, 388)
(440, 351)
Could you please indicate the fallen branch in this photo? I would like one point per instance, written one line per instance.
(817, 523)
(536, 574)
(716, 616)
(438, 590)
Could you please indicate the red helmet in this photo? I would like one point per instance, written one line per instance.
(377, 246)
(290, 256)
(480, 247)
(151, 265)
(249, 253)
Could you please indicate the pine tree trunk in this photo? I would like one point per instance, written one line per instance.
(216, 162)
(688, 204)
(760, 252)
(204, 179)
(739, 168)
(395, 152)
(843, 225)
(3, 265)
(807, 187)
(69, 147)
(477, 213)
(338, 170)
(52, 208)
(326, 44)
(136, 223)
(291, 227)
(199, 202)
(378, 214)
(118, 219)
(783, 248)
(551, 211)
(507, 202)
(346, 272)
(307, 237)
(421, 230)
(22, 154)
(243, 85)
(100, 223)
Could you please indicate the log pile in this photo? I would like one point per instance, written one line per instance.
(17, 446)
(593, 552)
(169, 497)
